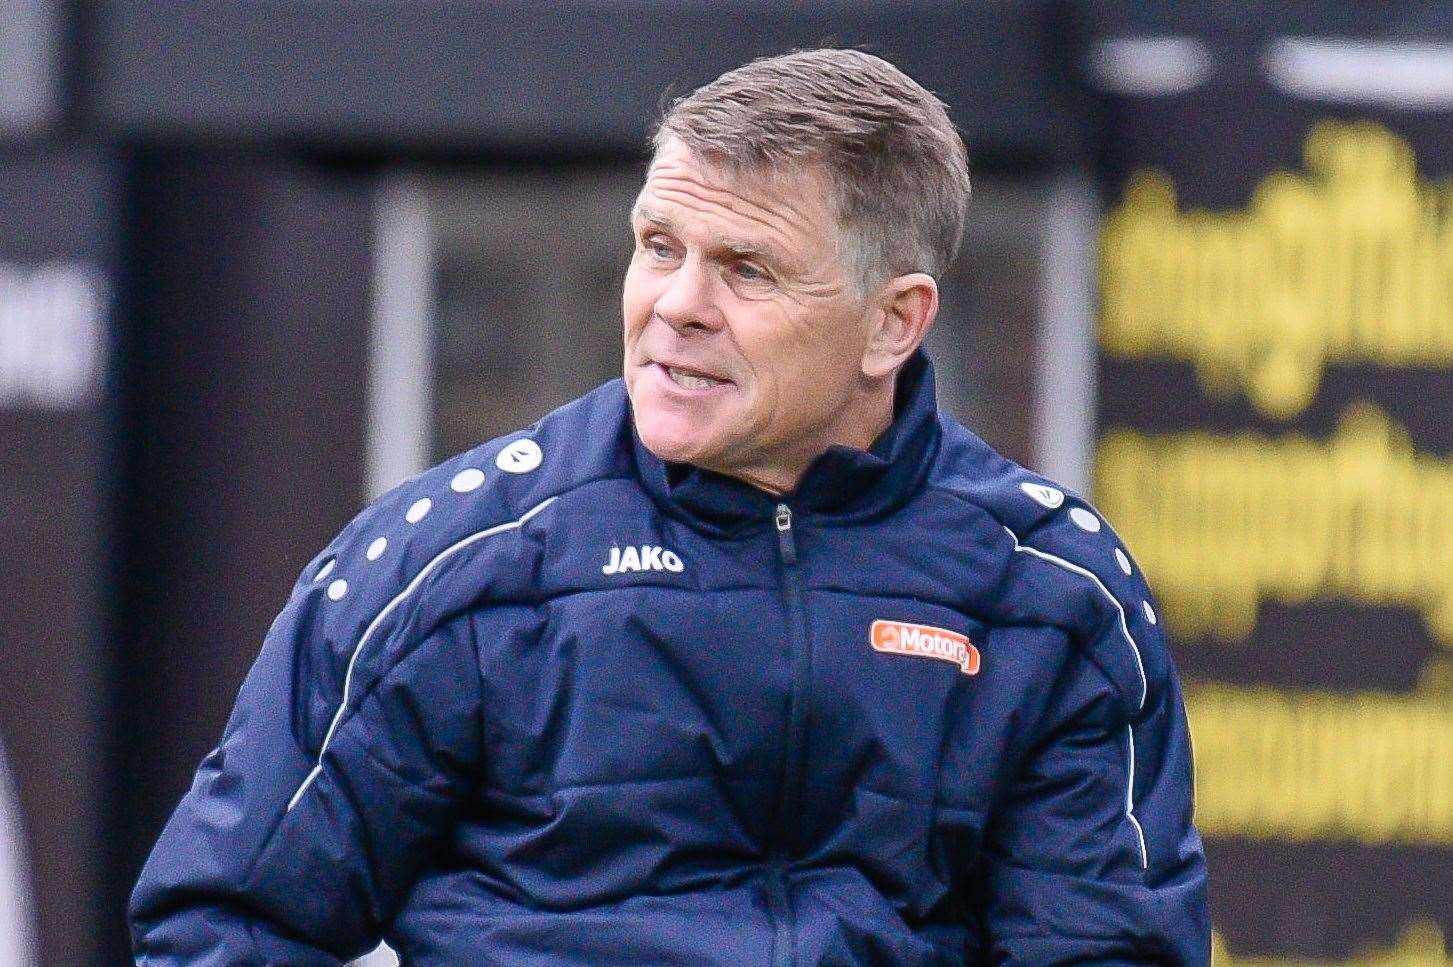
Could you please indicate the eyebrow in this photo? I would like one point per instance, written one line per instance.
(735, 246)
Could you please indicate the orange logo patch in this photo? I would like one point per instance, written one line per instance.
(902, 638)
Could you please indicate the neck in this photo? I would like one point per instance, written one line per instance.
(858, 429)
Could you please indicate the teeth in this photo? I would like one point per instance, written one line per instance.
(690, 380)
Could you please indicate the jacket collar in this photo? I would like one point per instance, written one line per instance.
(843, 484)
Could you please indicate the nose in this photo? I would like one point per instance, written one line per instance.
(689, 299)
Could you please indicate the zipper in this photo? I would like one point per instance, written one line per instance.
(780, 906)
(786, 546)
(792, 755)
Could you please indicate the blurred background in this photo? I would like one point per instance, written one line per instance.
(259, 262)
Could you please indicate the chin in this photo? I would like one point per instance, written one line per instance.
(673, 439)
(675, 433)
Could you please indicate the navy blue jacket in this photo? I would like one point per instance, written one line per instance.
(556, 702)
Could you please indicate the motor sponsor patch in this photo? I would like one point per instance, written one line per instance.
(926, 641)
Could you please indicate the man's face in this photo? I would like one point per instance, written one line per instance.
(744, 332)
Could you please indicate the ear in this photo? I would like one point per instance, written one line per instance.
(906, 307)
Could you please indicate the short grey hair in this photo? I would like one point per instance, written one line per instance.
(897, 168)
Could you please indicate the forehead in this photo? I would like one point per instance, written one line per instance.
(787, 207)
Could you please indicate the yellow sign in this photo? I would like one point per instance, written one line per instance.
(1302, 765)
(1421, 944)
(1223, 523)
(1350, 263)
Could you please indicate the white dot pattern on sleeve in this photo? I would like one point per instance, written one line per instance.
(1149, 611)
(420, 508)
(1085, 520)
(1044, 496)
(376, 549)
(520, 456)
(466, 480)
(325, 570)
(1122, 560)
(337, 589)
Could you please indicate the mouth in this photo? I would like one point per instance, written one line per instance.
(691, 379)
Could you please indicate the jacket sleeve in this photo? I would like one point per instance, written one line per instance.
(1091, 855)
(1093, 858)
(343, 759)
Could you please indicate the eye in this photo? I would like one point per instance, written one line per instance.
(657, 247)
(750, 272)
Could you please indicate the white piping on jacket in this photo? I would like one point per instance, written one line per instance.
(1139, 667)
(409, 589)
(1130, 800)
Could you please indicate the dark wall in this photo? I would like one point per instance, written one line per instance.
(523, 77)
(57, 207)
(239, 447)
(31, 76)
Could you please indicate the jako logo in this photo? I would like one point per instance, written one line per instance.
(902, 638)
(648, 557)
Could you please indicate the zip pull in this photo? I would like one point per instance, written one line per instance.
(785, 544)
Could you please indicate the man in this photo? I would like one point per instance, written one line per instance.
(750, 658)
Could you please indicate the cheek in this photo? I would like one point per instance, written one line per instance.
(786, 344)
(822, 352)
(637, 298)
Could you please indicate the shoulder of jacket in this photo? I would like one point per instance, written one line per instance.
(471, 502)
(1064, 565)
